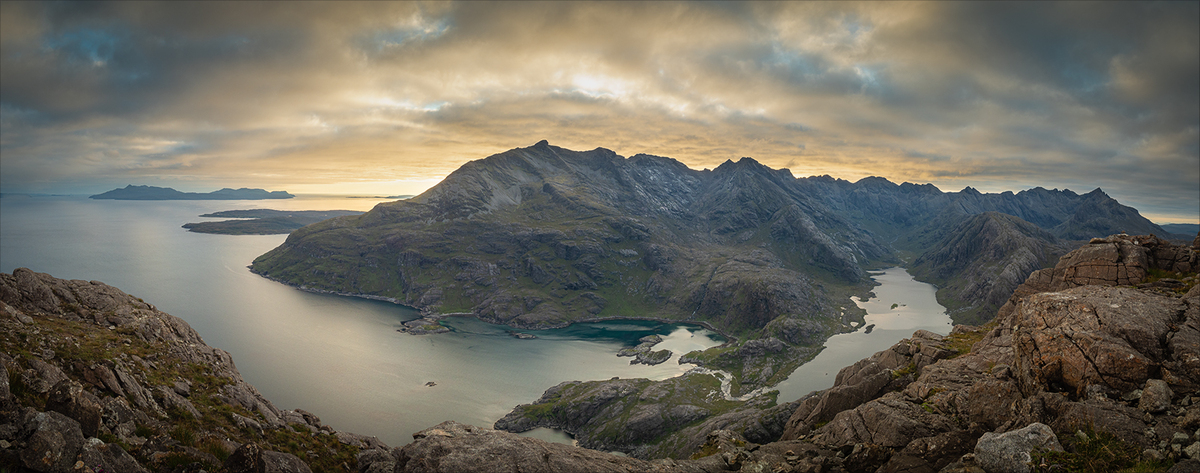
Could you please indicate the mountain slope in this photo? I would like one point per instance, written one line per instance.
(981, 261)
(543, 236)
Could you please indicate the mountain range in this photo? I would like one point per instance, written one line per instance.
(544, 236)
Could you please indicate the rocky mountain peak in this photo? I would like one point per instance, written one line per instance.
(876, 182)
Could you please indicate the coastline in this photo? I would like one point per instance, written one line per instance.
(428, 314)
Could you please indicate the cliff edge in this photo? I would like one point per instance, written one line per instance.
(98, 380)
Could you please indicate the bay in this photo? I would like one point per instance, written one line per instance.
(338, 357)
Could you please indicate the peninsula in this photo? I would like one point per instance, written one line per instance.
(263, 221)
(132, 192)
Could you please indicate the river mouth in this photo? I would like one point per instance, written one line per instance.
(900, 306)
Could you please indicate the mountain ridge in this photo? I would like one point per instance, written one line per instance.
(545, 236)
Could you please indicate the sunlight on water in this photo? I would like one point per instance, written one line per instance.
(915, 308)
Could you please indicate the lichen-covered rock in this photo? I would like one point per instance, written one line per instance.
(1156, 396)
(250, 458)
(454, 447)
(1089, 335)
(110, 457)
(68, 398)
(110, 364)
(890, 421)
(1009, 452)
(52, 441)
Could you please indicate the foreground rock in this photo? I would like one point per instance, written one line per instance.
(1074, 360)
(1094, 364)
(1088, 363)
(454, 447)
(97, 376)
(1010, 451)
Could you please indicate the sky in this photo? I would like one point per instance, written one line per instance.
(387, 98)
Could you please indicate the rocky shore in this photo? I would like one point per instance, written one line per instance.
(1094, 363)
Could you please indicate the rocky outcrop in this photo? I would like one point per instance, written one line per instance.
(644, 353)
(1086, 362)
(886, 371)
(1095, 338)
(1117, 260)
(1119, 360)
(1009, 452)
(1079, 358)
(98, 380)
(454, 447)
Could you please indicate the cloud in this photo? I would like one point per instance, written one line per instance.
(993, 95)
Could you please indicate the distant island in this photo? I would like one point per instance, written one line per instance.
(132, 192)
(264, 221)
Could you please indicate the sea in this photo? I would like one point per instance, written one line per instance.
(343, 358)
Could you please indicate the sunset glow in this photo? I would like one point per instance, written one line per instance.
(387, 98)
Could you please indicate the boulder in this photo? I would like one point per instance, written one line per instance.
(376, 460)
(110, 456)
(68, 398)
(52, 441)
(1009, 452)
(1156, 396)
(173, 401)
(42, 376)
(454, 447)
(890, 421)
(250, 458)
(1069, 340)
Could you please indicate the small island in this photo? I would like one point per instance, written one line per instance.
(263, 221)
(132, 192)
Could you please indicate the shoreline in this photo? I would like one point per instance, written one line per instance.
(428, 314)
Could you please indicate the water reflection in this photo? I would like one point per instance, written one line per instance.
(339, 357)
(901, 306)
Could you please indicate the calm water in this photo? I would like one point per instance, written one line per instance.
(915, 308)
(338, 357)
(341, 357)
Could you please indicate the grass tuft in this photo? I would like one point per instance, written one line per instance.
(1101, 452)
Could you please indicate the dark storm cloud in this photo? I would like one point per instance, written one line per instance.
(993, 95)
